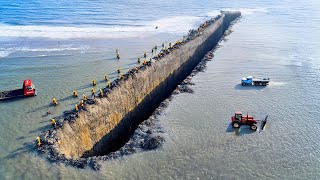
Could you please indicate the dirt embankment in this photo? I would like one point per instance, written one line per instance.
(107, 124)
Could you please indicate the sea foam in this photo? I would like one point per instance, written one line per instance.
(177, 25)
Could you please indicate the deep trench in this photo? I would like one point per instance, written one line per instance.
(121, 134)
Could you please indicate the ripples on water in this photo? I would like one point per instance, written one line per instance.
(65, 45)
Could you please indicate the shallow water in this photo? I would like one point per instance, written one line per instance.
(279, 40)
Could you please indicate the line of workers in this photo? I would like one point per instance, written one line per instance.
(164, 51)
(81, 105)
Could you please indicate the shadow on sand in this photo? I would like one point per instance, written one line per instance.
(84, 86)
(12, 99)
(40, 129)
(27, 147)
(65, 98)
(41, 108)
(239, 131)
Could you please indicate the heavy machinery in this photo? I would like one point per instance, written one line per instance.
(238, 119)
(249, 81)
(28, 89)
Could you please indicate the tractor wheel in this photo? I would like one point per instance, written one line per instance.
(253, 127)
(235, 125)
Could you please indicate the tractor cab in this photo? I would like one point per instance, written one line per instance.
(28, 88)
(238, 115)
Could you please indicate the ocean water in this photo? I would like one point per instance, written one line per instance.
(63, 45)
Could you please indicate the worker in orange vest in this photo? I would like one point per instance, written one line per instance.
(75, 94)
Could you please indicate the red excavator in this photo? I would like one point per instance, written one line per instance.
(238, 119)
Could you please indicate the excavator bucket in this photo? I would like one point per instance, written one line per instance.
(263, 123)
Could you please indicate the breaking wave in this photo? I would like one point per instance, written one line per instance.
(176, 25)
(244, 11)
(4, 52)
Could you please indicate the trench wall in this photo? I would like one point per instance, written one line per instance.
(112, 119)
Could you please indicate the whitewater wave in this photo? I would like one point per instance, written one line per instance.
(177, 25)
(4, 52)
(273, 83)
(244, 11)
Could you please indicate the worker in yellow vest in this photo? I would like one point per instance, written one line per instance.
(92, 91)
(101, 93)
(54, 102)
(38, 141)
(82, 104)
(53, 123)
